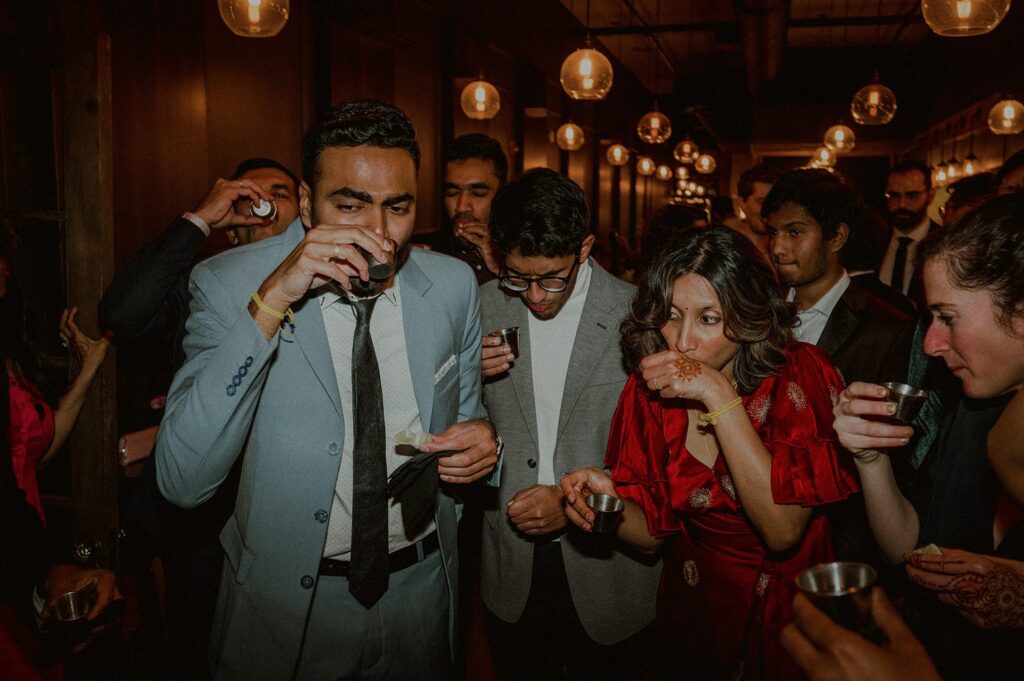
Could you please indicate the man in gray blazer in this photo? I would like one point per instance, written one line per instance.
(555, 598)
(301, 360)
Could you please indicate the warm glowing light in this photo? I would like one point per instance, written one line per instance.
(254, 18)
(1006, 117)
(663, 172)
(686, 151)
(825, 157)
(618, 155)
(873, 104)
(480, 100)
(700, 190)
(682, 173)
(939, 176)
(654, 128)
(705, 164)
(645, 165)
(959, 18)
(570, 137)
(971, 165)
(953, 169)
(840, 139)
(587, 74)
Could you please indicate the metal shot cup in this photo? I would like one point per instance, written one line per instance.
(509, 337)
(378, 271)
(607, 511)
(68, 614)
(263, 209)
(908, 400)
(842, 591)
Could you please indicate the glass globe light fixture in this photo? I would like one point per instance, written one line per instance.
(686, 151)
(939, 176)
(663, 172)
(840, 139)
(645, 165)
(682, 173)
(569, 137)
(971, 165)
(825, 157)
(705, 164)
(1006, 117)
(617, 155)
(480, 100)
(654, 127)
(959, 18)
(691, 186)
(680, 184)
(700, 190)
(954, 171)
(873, 104)
(254, 18)
(587, 74)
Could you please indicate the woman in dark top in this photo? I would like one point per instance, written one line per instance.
(974, 282)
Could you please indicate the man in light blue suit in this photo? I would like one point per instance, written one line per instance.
(301, 360)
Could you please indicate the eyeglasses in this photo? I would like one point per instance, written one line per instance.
(909, 196)
(551, 284)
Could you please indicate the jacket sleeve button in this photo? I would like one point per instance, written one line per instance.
(230, 391)
(248, 362)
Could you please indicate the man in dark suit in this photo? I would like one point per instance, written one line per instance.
(810, 214)
(908, 193)
(557, 600)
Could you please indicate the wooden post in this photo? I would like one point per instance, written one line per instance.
(89, 248)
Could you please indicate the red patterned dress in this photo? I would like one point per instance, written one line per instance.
(724, 596)
(31, 432)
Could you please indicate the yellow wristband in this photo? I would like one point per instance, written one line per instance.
(711, 418)
(280, 316)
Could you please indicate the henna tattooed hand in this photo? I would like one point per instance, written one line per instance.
(671, 374)
(988, 591)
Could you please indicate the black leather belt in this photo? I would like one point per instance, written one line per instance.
(399, 560)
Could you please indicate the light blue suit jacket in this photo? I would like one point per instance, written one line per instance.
(278, 401)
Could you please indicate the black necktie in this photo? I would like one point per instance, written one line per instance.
(899, 265)
(368, 571)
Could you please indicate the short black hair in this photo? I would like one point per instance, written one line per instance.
(762, 172)
(904, 167)
(978, 187)
(824, 196)
(540, 213)
(354, 124)
(258, 163)
(1009, 165)
(478, 145)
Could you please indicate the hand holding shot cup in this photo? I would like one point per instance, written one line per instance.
(864, 421)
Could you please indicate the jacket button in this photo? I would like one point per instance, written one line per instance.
(332, 448)
(306, 582)
(248, 362)
(230, 391)
(321, 516)
(236, 380)
(531, 463)
(243, 370)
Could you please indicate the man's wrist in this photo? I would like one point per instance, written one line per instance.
(199, 222)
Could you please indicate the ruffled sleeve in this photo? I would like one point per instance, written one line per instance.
(807, 465)
(637, 457)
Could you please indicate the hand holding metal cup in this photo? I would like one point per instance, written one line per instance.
(841, 590)
(607, 512)
(907, 398)
(509, 337)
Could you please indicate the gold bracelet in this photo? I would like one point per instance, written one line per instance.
(711, 418)
(279, 316)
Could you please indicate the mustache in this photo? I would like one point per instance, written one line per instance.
(903, 214)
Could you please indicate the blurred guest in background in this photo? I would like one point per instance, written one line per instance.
(752, 188)
(1010, 177)
(965, 195)
(666, 227)
(908, 193)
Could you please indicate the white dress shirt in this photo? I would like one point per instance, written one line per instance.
(400, 409)
(551, 343)
(917, 234)
(814, 318)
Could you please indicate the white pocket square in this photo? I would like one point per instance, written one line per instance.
(445, 368)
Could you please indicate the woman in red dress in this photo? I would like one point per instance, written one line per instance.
(723, 449)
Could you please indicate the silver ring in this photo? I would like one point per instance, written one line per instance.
(64, 342)
(656, 385)
(337, 250)
(241, 183)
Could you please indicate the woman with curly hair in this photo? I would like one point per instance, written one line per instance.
(723, 450)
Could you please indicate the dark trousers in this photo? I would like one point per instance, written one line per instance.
(549, 642)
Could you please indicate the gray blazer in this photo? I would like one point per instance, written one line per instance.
(278, 401)
(614, 593)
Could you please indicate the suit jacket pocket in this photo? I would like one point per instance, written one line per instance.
(604, 376)
(238, 554)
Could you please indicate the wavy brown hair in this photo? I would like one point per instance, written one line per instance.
(755, 314)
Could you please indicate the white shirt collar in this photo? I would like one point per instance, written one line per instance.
(827, 302)
(328, 295)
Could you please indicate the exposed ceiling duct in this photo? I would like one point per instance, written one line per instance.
(763, 32)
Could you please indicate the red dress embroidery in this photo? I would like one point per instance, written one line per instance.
(724, 597)
(31, 433)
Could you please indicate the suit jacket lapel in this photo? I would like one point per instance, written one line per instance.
(419, 322)
(841, 322)
(522, 372)
(595, 330)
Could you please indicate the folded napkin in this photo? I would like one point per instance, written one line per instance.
(414, 486)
